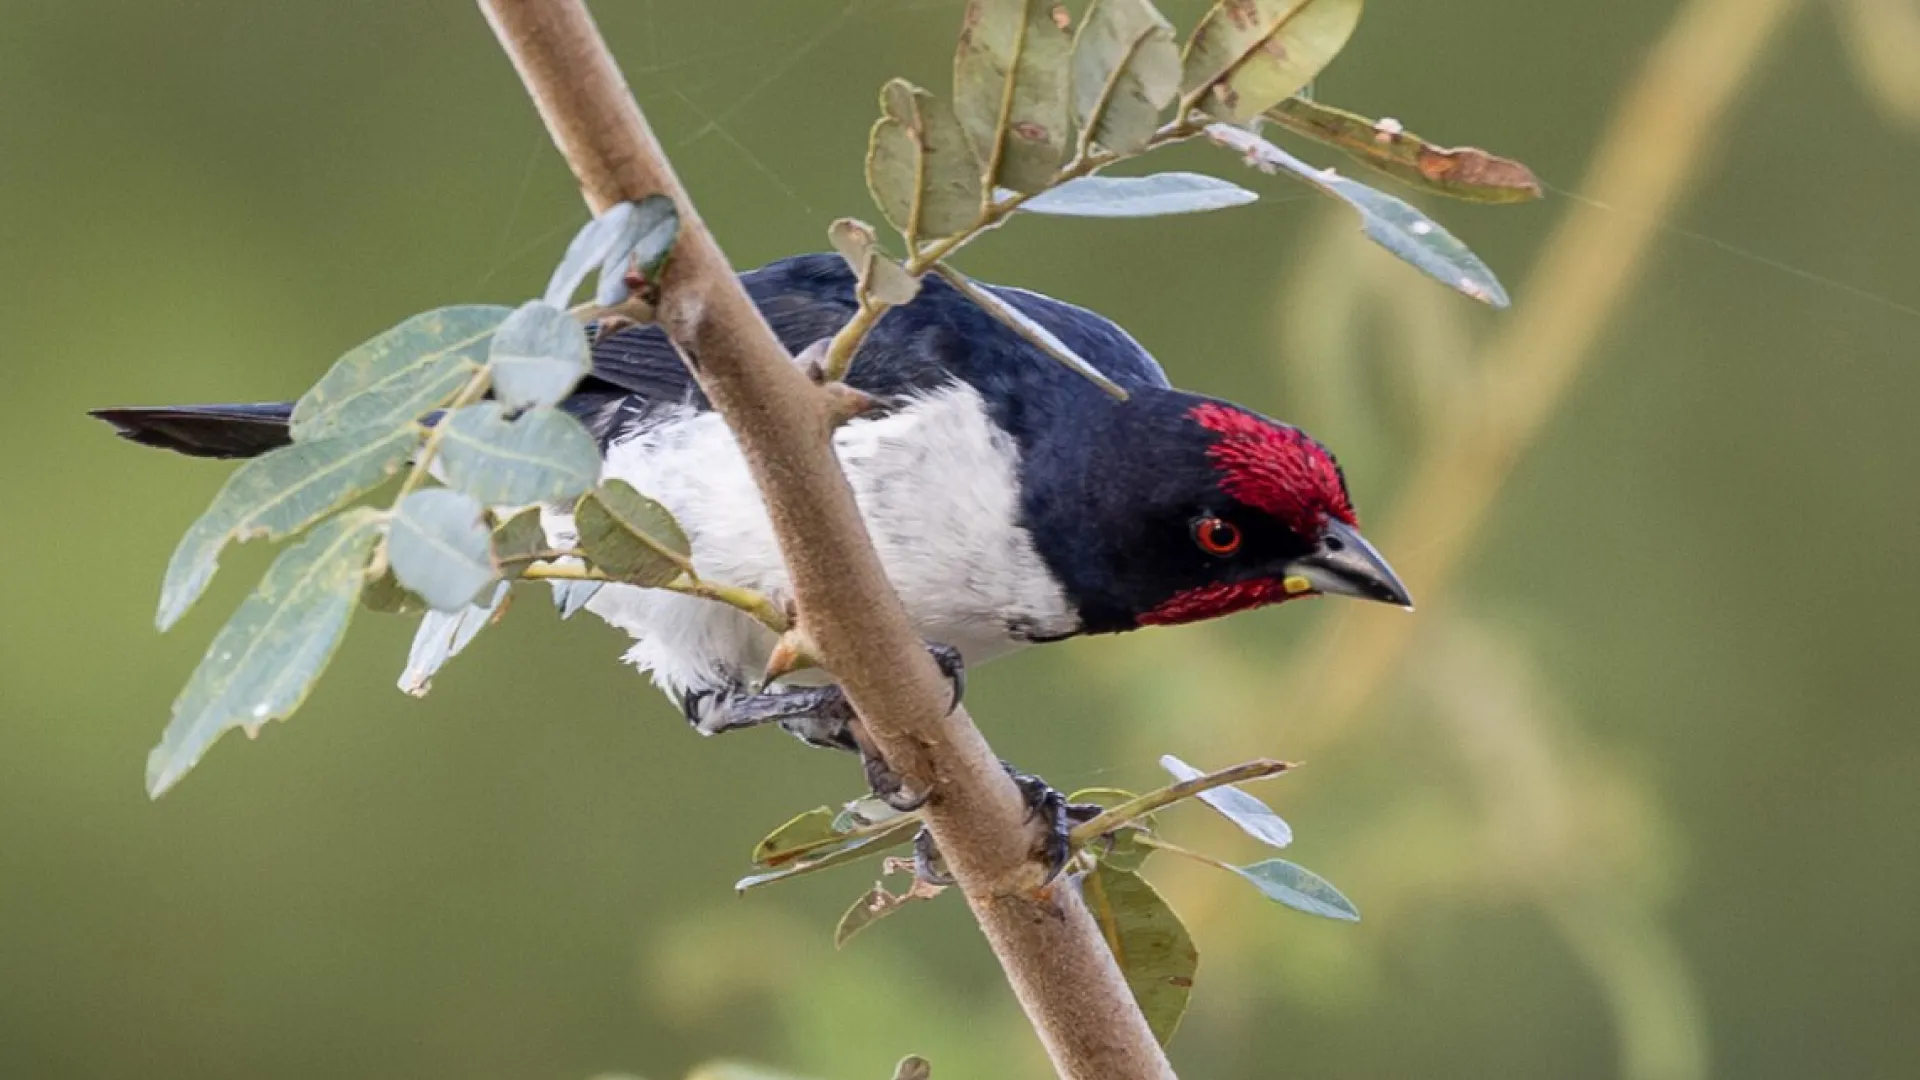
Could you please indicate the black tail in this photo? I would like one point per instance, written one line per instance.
(216, 431)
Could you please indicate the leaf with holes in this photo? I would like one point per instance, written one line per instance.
(1038, 336)
(1299, 888)
(920, 168)
(537, 356)
(442, 635)
(877, 904)
(630, 536)
(266, 658)
(1246, 56)
(854, 848)
(274, 495)
(1462, 172)
(439, 548)
(403, 374)
(1126, 71)
(1254, 817)
(1139, 196)
(879, 276)
(1389, 222)
(1149, 942)
(1010, 89)
(542, 455)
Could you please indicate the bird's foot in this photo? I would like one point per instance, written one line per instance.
(1045, 804)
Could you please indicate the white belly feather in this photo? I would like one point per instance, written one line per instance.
(937, 485)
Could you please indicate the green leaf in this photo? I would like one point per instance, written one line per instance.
(822, 858)
(875, 905)
(1254, 817)
(1123, 850)
(879, 276)
(1392, 224)
(1246, 56)
(1461, 172)
(1148, 940)
(1299, 888)
(630, 536)
(442, 636)
(1126, 71)
(385, 595)
(537, 356)
(1010, 89)
(275, 495)
(920, 168)
(400, 376)
(803, 833)
(265, 659)
(440, 548)
(542, 455)
(519, 542)
(1038, 336)
(1139, 196)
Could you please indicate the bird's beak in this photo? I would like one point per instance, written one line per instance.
(1346, 565)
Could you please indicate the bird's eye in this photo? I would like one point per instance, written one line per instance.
(1216, 537)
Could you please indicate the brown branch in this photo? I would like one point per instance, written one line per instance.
(1053, 954)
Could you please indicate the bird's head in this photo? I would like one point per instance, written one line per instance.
(1202, 508)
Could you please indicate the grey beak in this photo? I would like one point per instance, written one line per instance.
(1346, 565)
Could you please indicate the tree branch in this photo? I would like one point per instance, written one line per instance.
(1053, 954)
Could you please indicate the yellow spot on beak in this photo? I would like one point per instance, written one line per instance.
(1295, 585)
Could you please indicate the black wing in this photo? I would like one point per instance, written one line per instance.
(939, 338)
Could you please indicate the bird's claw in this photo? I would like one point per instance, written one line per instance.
(953, 666)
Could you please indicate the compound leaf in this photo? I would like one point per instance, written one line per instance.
(395, 378)
(265, 659)
(275, 495)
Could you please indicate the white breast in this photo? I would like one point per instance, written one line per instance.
(937, 484)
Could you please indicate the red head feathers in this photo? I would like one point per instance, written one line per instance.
(1276, 469)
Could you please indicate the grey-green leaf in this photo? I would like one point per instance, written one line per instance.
(1299, 888)
(1389, 222)
(441, 636)
(1247, 56)
(659, 228)
(440, 548)
(570, 596)
(1039, 336)
(1254, 817)
(266, 658)
(537, 356)
(1149, 942)
(920, 167)
(879, 276)
(625, 235)
(542, 455)
(401, 375)
(1139, 196)
(1126, 71)
(274, 495)
(1010, 77)
(630, 536)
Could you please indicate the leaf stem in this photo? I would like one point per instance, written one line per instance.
(475, 388)
(1132, 809)
(1086, 161)
(1147, 839)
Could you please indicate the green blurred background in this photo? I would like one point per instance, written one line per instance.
(1634, 797)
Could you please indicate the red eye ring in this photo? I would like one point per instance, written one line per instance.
(1216, 536)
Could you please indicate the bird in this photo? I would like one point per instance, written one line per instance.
(1011, 501)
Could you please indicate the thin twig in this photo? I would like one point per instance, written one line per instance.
(1139, 807)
